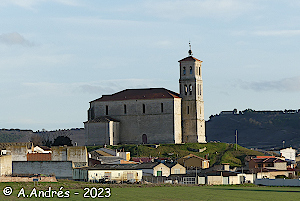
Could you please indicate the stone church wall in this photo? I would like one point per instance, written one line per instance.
(156, 119)
(94, 131)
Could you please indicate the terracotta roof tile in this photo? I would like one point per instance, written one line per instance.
(189, 58)
(129, 94)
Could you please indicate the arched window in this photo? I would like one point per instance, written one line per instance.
(200, 89)
(191, 70)
(186, 89)
(125, 111)
(106, 110)
(191, 89)
(144, 108)
(188, 109)
(162, 107)
(199, 71)
(184, 71)
(144, 139)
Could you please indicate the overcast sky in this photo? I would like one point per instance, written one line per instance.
(56, 56)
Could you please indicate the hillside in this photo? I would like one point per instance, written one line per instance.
(217, 153)
(258, 129)
(15, 135)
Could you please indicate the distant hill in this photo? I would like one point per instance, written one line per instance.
(77, 135)
(15, 135)
(257, 129)
(217, 153)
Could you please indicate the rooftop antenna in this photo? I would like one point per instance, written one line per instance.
(190, 50)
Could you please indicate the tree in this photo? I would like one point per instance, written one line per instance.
(62, 140)
(37, 140)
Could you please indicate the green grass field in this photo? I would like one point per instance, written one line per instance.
(154, 192)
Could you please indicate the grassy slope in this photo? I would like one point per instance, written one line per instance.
(217, 153)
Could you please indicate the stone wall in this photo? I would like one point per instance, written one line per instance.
(96, 133)
(18, 152)
(158, 120)
(5, 165)
(61, 169)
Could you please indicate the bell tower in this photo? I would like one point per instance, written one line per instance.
(192, 104)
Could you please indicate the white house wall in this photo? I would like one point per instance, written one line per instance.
(116, 175)
(5, 165)
(161, 167)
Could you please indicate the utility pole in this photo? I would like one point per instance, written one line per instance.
(196, 176)
(236, 138)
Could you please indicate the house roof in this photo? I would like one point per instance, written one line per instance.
(148, 165)
(142, 159)
(130, 94)
(189, 58)
(191, 156)
(268, 160)
(170, 165)
(265, 157)
(113, 167)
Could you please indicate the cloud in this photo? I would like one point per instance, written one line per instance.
(285, 33)
(97, 88)
(291, 84)
(29, 4)
(278, 33)
(14, 39)
(193, 8)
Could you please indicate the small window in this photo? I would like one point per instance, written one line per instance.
(199, 71)
(106, 110)
(188, 109)
(184, 71)
(185, 89)
(191, 89)
(200, 89)
(162, 107)
(191, 70)
(144, 108)
(125, 111)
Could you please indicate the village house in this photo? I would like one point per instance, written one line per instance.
(270, 167)
(109, 173)
(193, 161)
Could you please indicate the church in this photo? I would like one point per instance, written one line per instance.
(151, 115)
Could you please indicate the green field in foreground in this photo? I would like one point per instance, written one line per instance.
(154, 192)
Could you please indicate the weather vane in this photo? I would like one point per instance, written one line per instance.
(190, 50)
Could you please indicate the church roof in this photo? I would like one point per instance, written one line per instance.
(189, 58)
(129, 94)
(101, 119)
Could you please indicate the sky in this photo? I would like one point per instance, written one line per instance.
(58, 55)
